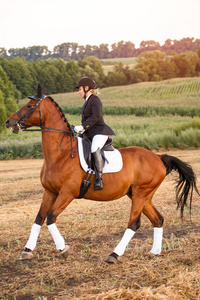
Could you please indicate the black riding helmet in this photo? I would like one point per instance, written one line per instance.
(86, 81)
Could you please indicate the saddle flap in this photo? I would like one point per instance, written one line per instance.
(112, 159)
(87, 150)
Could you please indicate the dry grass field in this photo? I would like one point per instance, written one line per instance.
(92, 230)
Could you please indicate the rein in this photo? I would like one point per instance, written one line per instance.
(72, 133)
(27, 115)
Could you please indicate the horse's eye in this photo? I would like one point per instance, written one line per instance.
(28, 106)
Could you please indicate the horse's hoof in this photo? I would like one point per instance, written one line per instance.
(154, 253)
(111, 259)
(151, 255)
(26, 255)
(65, 252)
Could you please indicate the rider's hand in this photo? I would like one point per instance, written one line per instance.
(79, 129)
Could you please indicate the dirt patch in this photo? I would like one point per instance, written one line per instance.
(92, 230)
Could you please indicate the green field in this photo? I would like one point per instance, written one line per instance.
(108, 64)
(124, 61)
(183, 93)
(154, 115)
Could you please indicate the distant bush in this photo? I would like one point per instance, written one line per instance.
(72, 110)
(20, 149)
(184, 137)
(194, 123)
(187, 139)
(140, 111)
(167, 118)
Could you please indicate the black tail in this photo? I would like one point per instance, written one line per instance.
(186, 182)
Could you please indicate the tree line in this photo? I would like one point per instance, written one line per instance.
(19, 78)
(67, 51)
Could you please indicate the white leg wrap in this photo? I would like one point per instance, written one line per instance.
(32, 241)
(128, 234)
(157, 241)
(57, 237)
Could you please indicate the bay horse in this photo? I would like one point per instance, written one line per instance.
(61, 176)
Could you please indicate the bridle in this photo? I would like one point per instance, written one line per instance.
(21, 124)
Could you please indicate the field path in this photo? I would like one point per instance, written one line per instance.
(92, 230)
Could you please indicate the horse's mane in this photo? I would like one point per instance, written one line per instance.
(60, 109)
(41, 93)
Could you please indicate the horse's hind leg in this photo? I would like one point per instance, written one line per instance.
(138, 202)
(46, 205)
(157, 221)
(141, 202)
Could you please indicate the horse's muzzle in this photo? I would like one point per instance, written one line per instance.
(12, 125)
(7, 123)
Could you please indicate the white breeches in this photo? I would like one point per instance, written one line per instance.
(98, 141)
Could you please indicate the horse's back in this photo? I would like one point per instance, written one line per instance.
(143, 162)
(139, 153)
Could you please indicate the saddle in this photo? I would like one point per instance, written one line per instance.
(86, 143)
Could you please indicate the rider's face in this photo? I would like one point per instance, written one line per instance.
(81, 91)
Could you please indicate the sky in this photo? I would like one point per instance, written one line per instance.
(25, 23)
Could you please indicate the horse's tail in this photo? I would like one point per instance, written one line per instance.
(186, 182)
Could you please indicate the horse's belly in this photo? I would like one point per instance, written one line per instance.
(111, 190)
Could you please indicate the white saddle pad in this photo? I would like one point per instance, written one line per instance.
(113, 164)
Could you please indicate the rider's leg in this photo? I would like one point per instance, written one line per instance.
(98, 142)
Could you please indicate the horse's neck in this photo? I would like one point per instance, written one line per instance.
(51, 141)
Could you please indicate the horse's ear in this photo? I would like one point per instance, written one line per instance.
(39, 91)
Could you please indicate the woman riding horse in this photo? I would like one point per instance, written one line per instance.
(61, 176)
(93, 124)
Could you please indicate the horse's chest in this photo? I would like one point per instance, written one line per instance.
(50, 180)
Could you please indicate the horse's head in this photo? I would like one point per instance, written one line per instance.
(29, 115)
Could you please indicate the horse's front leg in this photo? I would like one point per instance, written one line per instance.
(46, 205)
(63, 200)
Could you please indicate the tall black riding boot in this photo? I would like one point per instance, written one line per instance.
(98, 184)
